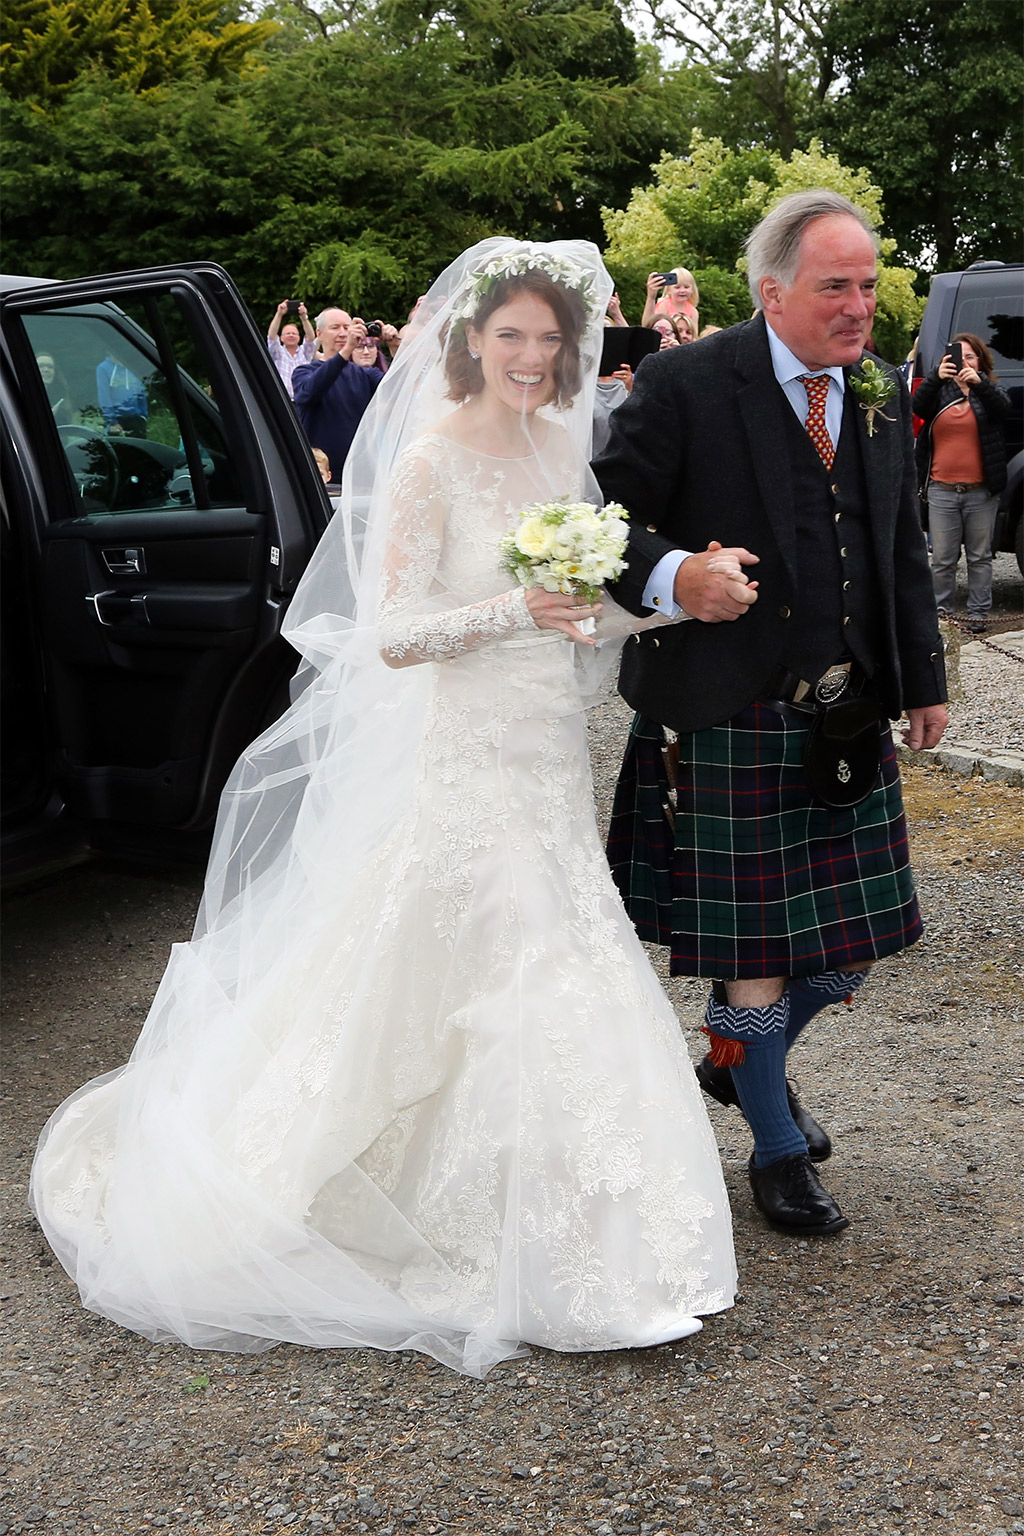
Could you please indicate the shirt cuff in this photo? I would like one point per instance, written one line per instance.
(658, 594)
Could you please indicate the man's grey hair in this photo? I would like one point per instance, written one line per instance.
(318, 322)
(773, 246)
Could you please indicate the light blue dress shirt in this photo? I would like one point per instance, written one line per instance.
(789, 370)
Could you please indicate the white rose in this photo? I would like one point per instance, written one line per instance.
(534, 538)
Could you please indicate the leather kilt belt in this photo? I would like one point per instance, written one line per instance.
(730, 859)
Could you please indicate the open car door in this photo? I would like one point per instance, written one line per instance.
(161, 504)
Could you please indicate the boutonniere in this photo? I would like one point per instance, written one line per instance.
(873, 388)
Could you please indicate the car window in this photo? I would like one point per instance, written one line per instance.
(129, 391)
(991, 305)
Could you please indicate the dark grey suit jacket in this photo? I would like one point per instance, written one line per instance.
(698, 453)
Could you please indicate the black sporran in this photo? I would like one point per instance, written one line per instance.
(843, 751)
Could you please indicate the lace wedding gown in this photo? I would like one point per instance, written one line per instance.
(458, 1113)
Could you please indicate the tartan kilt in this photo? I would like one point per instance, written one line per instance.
(758, 878)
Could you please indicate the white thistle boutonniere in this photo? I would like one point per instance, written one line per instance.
(873, 388)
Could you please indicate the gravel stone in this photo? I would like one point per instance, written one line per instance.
(869, 1383)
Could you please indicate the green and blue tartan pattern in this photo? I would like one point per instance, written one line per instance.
(759, 879)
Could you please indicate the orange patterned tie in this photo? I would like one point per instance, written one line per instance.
(817, 394)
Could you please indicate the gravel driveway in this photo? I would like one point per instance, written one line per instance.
(864, 1383)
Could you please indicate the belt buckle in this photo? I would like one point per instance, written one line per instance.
(831, 685)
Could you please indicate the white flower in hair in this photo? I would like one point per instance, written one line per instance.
(515, 263)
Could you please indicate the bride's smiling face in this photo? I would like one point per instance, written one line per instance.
(518, 345)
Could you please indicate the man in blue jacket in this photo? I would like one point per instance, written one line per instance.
(331, 396)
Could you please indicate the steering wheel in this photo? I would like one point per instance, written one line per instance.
(98, 473)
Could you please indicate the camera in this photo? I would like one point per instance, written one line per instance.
(374, 329)
(955, 350)
(669, 278)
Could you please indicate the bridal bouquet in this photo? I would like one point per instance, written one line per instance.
(566, 546)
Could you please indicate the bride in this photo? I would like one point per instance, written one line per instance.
(413, 1084)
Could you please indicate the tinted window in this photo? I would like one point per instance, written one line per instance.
(129, 391)
(991, 305)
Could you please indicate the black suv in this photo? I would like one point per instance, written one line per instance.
(987, 299)
(159, 504)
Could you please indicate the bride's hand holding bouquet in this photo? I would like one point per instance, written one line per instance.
(562, 552)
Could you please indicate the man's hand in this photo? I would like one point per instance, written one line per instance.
(356, 334)
(713, 587)
(303, 311)
(282, 308)
(925, 726)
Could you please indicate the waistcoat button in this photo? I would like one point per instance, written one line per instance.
(783, 612)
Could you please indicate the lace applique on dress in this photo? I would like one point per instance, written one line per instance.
(462, 1113)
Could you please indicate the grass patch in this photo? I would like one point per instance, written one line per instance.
(958, 820)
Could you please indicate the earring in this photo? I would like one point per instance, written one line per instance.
(475, 356)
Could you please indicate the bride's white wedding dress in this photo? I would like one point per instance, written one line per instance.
(457, 1113)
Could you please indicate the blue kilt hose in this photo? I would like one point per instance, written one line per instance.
(758, 879)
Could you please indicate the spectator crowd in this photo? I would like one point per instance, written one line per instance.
(331, 369)
(332, 366)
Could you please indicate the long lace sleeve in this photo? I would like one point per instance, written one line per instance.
(418, 619)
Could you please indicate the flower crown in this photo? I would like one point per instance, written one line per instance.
(526, 258)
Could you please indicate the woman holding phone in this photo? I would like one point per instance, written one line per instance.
(962, 464)
(679, 296)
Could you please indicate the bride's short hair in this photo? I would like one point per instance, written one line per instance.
(463, 371)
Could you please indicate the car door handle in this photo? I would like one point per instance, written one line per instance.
(125, 562)
(112, 608)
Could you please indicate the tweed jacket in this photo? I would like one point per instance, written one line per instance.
(696, 453)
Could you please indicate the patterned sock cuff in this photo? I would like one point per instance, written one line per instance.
(830, 984)
(747, 1024)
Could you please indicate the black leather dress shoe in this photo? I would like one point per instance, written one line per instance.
(717, 1083)
(791, 1196)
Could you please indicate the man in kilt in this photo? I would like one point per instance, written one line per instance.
(758, 827)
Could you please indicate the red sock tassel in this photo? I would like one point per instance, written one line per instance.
(725, 1053)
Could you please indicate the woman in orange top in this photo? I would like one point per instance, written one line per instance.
(962, 457)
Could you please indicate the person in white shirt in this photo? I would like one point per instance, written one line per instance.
(286, 346)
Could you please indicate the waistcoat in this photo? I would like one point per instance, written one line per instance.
(836, 611)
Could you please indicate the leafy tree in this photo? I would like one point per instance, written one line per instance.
(47, 45)
(701, 207)
(770, 60)
(115, 179)
(417, 132)
(933, 106)
(352, 165)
